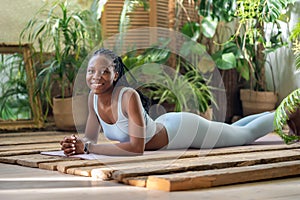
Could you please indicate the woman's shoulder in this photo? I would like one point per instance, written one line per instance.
(127, 92)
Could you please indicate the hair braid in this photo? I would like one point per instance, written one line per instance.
(121, 68)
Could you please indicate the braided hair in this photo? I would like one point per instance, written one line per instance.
(121, 68)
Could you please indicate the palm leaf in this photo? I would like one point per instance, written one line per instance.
(288, 105)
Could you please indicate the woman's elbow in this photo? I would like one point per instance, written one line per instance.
(139, 153)
(138, 150)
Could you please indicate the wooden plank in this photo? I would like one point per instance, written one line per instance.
(30, 140)
(51, 165)
(140, 181)
(32, 160)
(81, 171)
(218, 177)
(190, 153)
(63, 166)
(168, 155)
(9, 148)
(159, 155)
(41, 138)
(39, 133)
(201, 163)
(70, 167)
(27, 151)
(247, 149)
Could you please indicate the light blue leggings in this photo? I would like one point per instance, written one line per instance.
(188, 130)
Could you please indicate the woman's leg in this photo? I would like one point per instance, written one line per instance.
(190, 130)
(223, 135)
(247, 119)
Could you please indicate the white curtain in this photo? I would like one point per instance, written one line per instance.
(282, 61)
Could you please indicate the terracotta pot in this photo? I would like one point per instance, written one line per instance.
(70, 113)
(254, 102)
(208, 114)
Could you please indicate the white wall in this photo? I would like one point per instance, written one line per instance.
(14, 14)
(13, 17)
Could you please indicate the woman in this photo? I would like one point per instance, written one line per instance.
(121, 113)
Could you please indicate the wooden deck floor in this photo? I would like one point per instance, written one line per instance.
(180, 170)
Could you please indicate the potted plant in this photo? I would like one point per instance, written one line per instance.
(254, 46)
(176, 91)
(180, 89)
(212, 29)
(246, 49)
(65, 34)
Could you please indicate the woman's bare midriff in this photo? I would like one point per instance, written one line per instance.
(159, 140)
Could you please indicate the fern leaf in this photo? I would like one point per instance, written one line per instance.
(288, 105)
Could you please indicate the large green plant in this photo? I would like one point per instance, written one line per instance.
(187, 91)
(248, 46)
(67, 34)
(217, 23)
(183, 87)
(251, 38)
(155, 54)
(165, 84)
(290, 103)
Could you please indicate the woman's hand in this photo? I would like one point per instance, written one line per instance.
(72, 145)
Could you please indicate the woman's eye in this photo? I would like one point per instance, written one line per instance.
(91, 71)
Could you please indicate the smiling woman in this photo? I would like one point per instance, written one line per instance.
(121, 112)
(19, 107)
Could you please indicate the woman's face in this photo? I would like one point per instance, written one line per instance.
(101, 74)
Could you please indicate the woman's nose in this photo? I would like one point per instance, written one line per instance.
(98, 75)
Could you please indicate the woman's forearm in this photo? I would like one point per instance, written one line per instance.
(120, 149)
(87, 138)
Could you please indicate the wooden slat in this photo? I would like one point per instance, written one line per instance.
(41, 139)
(50, 166)
(39, 133)
(63, 167)
(24, 147)
(201, 163)
(218, 177)
(32, 160)
(165, 169)
(28, 151)
(111, 18)
(169, 155)
(31, 140)
(81, 171)
(140, 181)
(163, 8)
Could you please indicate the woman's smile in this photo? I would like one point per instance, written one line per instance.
(97, 85)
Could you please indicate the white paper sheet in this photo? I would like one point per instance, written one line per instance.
(92, 156)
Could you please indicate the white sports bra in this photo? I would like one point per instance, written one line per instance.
(119, 130)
